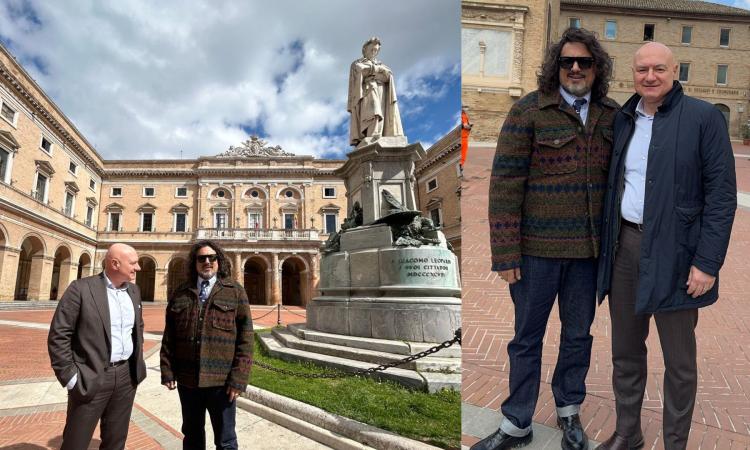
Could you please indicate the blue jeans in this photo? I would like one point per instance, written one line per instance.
(573, 282)
(194, 403)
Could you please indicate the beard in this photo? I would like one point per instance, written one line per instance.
(577, 89)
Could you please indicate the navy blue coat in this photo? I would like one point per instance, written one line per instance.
(691, 198)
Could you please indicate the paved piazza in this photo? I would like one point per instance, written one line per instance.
(32, 403)
(722, 414)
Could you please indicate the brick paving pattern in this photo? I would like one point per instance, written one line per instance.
(722, 414)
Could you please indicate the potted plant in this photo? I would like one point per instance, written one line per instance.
(746, 133)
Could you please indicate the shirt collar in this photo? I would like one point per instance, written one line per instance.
(570, 98)
(211, 281)
(112, 286)
(640, 111)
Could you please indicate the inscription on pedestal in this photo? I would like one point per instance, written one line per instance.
(429, 267)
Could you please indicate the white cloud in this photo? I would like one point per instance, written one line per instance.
(148, 79)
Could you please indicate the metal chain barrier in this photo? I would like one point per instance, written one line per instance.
(371, 370)
(292, 312)
(266, 314)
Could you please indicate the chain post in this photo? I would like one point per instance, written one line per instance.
(278, 314)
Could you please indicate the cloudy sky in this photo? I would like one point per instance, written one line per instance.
(145, 79)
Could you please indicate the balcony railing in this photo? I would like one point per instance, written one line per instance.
(256, 234)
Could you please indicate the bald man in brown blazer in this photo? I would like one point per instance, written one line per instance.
(95, 345)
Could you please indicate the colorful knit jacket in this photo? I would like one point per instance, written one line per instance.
(548, 180)
(208, 346)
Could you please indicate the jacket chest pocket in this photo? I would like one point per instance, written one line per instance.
(557, 154)
(180, 312)
(223, 315)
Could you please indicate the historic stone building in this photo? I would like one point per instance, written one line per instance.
(711, 43)
(502, 47)
(62, 205)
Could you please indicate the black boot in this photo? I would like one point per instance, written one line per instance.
(573, 436)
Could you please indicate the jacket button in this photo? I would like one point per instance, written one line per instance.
(557, 141)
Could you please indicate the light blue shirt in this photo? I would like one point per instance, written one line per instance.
(570, 98)
(636, 162)
(211, 282)
(121, 319)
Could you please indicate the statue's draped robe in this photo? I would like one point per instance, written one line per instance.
(372, 102)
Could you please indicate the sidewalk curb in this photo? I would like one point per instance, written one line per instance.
(340, 432)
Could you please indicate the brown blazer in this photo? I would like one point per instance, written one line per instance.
(80, 336)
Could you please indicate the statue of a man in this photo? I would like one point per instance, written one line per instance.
(372, 97)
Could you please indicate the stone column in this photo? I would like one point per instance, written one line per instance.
(40, 278)
(304, 280)
(68, 273)
(160, 285)
(237, 269)
(314, 274)
(8, 272)
(275, 279)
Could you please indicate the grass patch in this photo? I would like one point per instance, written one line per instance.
(431, 418)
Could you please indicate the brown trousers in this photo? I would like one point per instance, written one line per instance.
(629, 331)
(113, 404)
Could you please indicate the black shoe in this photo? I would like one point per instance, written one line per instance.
(617, 442)
(573, 436)
(500, 441)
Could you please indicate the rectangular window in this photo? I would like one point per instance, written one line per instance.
(116, 192)
(41, 187)
(92, 185)
(147, 222)
(220, 220)
(329, 192)
(180, 222)
(8, 113)
(148, 191)
(684, 72)
(432, 185)
(46, 145)
(574, 22)
(648, 31)
(254, 221)
(435, 216)
(724, 37)
(610, 29)
(114, 221)
(687, 35)
(68, 204)
(73, 168)
(288, 221)
(4, 165)
(721, 74)
(181, 192)
(89, 215)
(330, 223)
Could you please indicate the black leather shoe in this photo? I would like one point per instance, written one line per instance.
(573, 436)
(617, 442)
(500, 441)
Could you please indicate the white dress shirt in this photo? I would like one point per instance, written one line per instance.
(636, 162)
(570, 98)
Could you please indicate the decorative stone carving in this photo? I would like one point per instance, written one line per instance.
(254, 147)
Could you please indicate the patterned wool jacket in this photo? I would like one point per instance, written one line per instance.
(209, 345)
(548, 180)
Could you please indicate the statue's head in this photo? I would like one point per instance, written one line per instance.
(371, 48)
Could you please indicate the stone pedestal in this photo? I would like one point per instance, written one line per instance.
(375, 290)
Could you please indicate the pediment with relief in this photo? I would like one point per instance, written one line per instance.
(253, 148)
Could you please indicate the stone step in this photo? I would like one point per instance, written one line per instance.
(407, 378)
(380, 345)
(431, 363)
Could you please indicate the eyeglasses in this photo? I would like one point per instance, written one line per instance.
(205, 258)
(584, 62)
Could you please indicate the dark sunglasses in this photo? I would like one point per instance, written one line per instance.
(204, 258)
(584, 62)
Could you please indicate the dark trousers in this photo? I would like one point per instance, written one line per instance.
(112, 403)
(194, 403)
(629, 331)
(573, 282)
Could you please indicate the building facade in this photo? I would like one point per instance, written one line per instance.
(502, 48)
(62, 205)
(711, 44)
